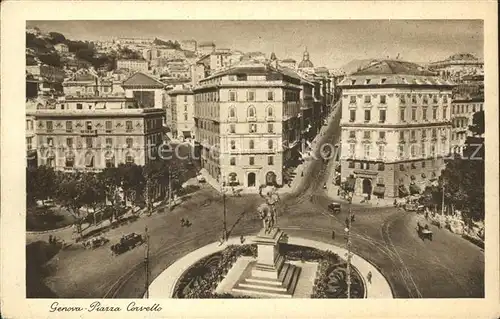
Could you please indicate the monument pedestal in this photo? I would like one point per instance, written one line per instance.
(269, 275)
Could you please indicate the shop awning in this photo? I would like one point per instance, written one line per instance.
(379, 190)
(186, 134)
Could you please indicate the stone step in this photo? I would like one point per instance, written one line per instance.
(263, 286)
(289, 276)
(295, 280)
(262, 292)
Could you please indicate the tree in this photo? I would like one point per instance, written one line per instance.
(92, 193)
(477, 127)
(56, 38)
(154, 173)
(70, 196)
(133, 182)
(40, 183)
(111, 180)
(52, 59)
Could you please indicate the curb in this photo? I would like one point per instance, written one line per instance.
(48, 231)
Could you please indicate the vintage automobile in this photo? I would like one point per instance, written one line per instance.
(334, 207)
(424, 232)
(127, 243)
(95, 242)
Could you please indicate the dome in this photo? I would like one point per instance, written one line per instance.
(305, 63)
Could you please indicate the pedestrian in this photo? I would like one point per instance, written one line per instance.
(242, 239)
(302, 174)
(347, 222)
(50, 239)
(333, 235)
(352, 218)
(183, 222)
(369, 277)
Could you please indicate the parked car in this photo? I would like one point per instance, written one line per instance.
(334, 207)
(127, 243)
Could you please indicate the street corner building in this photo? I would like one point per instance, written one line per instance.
(93, 132)
(396, 128)
(249, 121)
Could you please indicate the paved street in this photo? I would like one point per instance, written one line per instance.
(448, 266)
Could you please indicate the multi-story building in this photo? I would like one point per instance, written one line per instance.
(216, 61)
(81, 84)
(91, 133)
(61, 48)
(30, 133)
(205, 48)
(197, 73)
(247, 123)
(49, 78)
(189, 45)
(462, 112)
(396, 128)
(182, 108)
(457, 66)
(148, 91)
(289, 63)
(132, 65)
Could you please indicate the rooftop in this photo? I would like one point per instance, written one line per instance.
(144, 80)
(393, 67)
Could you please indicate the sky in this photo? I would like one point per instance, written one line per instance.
(331, 43)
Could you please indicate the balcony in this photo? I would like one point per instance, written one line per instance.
(88, 132)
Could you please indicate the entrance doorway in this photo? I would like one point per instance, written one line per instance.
(270, 179)
(367, 187)
(251, 179)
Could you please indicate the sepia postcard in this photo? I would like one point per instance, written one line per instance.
(308, 159)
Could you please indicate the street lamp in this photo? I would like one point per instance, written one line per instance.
(348, 231)
(146, 264)
(224, 225)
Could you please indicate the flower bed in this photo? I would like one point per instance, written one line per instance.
(201, 279)
(43, 219)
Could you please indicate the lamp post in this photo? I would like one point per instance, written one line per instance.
(442, 201)
(146, 265)
(348, 231)
(224, 224)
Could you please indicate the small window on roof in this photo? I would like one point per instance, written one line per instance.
(353, 82)
(382, 81)
(367, 81)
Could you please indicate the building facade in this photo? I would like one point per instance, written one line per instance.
(182, 118)
(396, 125)
(91, 133)
(133, 65)
(462, 112)
(247, 124)
(205, 48)
(149, 92)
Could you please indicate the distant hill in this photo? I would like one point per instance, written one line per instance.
(169, 44)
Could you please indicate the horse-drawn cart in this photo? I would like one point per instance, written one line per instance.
(424, 232)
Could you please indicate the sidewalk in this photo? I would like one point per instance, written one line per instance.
(163, 286)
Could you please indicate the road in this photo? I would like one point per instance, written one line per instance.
(449, 266)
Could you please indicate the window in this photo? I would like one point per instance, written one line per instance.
(382, 115)
(108, 126)
(270, 128)
(129, 159)
(381, 151)
(351, 164)
(434, 99)
(367, 81)
(251, 160)
(367, 115)
(382, 81)
(352, 99)
(270, 95)
(425, 100)
(185, 108)
(185, 98)
(462, 108)
(252, 128)
(402, 114)
(129, 141)
(29, 125)
(414, 99)
(402, 99)
(232, 128)
(414, 114)
(424, 153)
(381, 135)
(424, 113)
(352, 115)
(401, 167)
(232, 161)
(128, 126)
(366, 135)
(270, 160)
(88, 142)
(433, 150)
(434, 113)
(69, 126)
(412, 135)
(401, 150)
(70, 160)
(352, 148)
(233, 145)
(185, 117)
(434, 133)
(50, 141)
(368, 99)
(29, 143)
(79, 106)
(445, 110)
(88, 125)
(270, 111)
(401, 135)
(445, 99)
(251, 111)
(251, 144)
(382, 99)
(413, 151)
(109, 142)
(423, 166)
(352, 134)
(69, 142)
(232, 96)
(270, 144)
(49, 126)
(367, 150)
(232, 112)
(251, 96)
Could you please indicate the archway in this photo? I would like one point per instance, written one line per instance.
(367, 187)
(251, 179)
(271, 178)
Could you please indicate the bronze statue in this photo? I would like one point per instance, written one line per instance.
(267, 215)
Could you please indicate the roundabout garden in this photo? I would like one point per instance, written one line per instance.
(201, 279)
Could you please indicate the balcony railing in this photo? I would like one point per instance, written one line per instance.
(89, 132)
